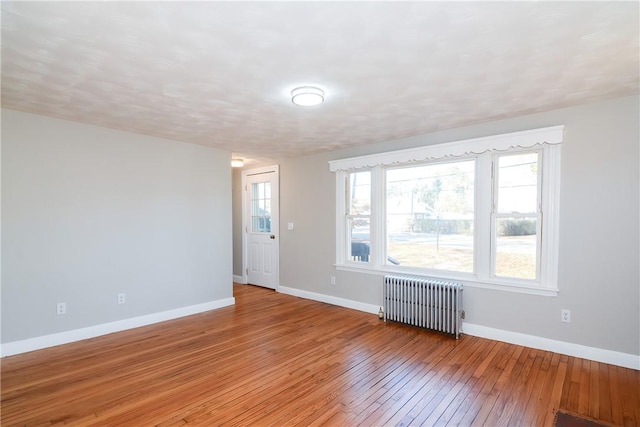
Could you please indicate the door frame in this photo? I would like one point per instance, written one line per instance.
(246, 218)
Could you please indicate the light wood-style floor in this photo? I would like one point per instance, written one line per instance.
(277, 360)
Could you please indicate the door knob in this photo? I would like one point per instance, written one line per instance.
(272, 237)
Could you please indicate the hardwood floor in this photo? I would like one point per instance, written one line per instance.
(277, 360)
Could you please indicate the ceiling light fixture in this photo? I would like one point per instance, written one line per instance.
(237, 163)
(307, 96)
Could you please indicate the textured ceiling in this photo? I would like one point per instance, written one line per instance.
(220, 73)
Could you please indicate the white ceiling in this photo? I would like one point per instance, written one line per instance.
(220, 73)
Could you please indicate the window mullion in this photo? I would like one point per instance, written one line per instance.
(484, 207)
(378, 202)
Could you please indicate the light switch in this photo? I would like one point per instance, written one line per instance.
(290, 226)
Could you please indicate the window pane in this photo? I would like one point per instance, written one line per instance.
(516, 247)
(360, 229)
(430, 214)
(261, 207)
(518, 183)
(359, 202)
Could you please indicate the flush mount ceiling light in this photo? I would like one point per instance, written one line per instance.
(307, 96)
(237, 163)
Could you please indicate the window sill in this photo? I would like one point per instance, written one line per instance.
(469, 282)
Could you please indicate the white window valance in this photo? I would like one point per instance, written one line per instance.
(524, 139)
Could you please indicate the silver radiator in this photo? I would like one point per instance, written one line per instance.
(424, 302)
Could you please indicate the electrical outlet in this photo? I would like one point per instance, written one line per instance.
(122, 298)
(333, 280)
(565, 316)
(61, 308)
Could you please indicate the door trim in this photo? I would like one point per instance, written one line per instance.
(245, 219)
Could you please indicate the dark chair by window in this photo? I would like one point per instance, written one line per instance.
(360, 251)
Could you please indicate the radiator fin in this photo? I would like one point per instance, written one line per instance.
(423, 302)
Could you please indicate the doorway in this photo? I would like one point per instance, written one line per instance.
(261, 226)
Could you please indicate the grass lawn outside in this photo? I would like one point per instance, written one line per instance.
(517, 257)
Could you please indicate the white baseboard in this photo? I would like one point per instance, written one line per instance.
(625, 360)
(342, 302)
(17, 347)
(238, 279)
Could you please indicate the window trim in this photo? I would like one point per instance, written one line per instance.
(547, 140)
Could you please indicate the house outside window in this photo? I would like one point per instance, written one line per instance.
(482, 211)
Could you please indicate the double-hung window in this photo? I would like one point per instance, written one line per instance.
(516, 215)
(482, 211)
(358, 215)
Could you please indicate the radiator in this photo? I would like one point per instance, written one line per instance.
(424, 302)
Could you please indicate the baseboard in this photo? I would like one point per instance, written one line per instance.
(238, 279)
(342, 302)
(31, 344)
(576, 350)
(625, 360)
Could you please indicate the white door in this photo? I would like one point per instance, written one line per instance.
(261, 226)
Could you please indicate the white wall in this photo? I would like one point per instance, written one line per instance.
(599, 231)
(90, 212)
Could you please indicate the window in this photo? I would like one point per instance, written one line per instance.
(359, 215)
(516, 216)
(470, 210)
(429, 215)
(261, 207)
